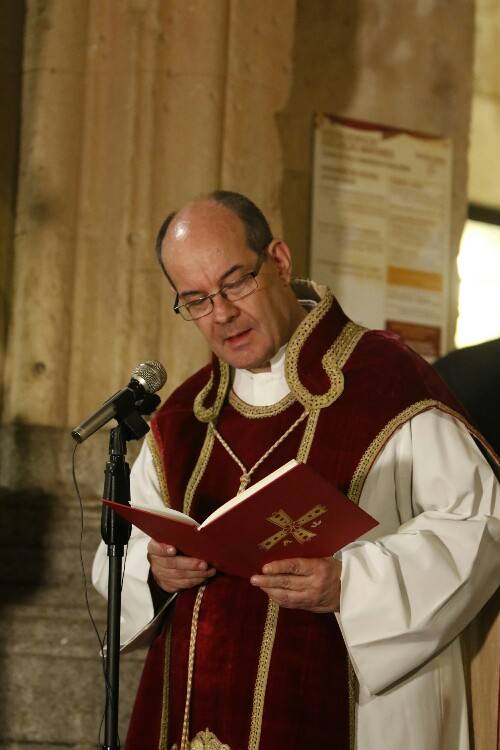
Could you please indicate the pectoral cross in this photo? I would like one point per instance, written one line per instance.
(289, 527)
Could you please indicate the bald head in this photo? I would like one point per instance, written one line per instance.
(255, 225)
(199, 225)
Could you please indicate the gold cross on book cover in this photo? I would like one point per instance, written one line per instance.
(290, 528)
(314, 518)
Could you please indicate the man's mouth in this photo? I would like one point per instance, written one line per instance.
(236, 339)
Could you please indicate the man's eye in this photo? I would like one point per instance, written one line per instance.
(236, 284)
(197, 303)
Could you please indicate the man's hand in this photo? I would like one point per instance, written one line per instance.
(312, 584)
(173, 572)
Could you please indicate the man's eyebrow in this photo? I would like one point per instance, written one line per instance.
(201, 292)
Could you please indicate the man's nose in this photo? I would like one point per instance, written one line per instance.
(224, 309)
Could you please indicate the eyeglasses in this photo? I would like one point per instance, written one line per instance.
(243, 287)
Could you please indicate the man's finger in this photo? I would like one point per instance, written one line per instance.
(177, 573)
(289, 599)
(161, 549)
(182, 581)
(179, 563)
(284, 582)
(297, 566)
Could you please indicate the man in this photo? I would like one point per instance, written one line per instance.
(264, 663)
(473, 374)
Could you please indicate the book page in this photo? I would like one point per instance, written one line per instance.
(175, 515)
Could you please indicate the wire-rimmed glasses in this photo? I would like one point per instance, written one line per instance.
(235, 290)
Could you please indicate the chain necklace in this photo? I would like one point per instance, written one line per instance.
(246, 475)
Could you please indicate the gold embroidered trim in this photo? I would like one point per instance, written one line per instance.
(266, 648)
(259, 695)
(198, 470)
(296, 343)
(162, 481)
(201, 412)
(371, 453)
(308, 436)
(258, 412)
(345, 343)
(162, 744)
(205, 741)
(185, 744)
(332, 361)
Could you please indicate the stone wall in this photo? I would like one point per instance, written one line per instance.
(11, 50)
(484, 156)
(129, 108)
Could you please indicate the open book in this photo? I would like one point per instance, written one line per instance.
(293, 512)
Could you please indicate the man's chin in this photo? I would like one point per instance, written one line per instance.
(246, 360)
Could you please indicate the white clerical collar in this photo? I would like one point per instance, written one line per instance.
(263, 388)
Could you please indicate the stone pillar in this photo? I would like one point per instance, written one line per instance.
(259, 74)
(484, 158)
(11, 44)
(40, 336)
(130, 109)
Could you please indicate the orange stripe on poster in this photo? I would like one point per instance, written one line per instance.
(416, 279)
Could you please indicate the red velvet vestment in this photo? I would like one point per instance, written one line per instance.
(266, 677)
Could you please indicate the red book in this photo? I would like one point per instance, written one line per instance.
(293, 512)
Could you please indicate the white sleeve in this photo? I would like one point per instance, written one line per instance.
(409, 592)
(137, 605)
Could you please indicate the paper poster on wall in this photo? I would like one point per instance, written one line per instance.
(380, 234)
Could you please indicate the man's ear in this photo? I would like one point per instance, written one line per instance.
(280, 255)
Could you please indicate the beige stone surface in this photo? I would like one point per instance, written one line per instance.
(486, 67)
(39, 338)
(388, 63)
(51, 684)
(259, 74)
(130, 108)
(58, 699)
(484, 154)
(11, 40)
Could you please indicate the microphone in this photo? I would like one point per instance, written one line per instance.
(148, 377)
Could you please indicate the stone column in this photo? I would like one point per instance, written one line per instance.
(11, 40)
(36, 378)
(130, 109)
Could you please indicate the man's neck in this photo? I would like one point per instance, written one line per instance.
(298, 317)
(265, 368)
(265, 387)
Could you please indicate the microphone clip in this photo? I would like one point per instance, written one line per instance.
(131, 419)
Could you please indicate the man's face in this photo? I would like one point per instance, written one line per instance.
(204, 249)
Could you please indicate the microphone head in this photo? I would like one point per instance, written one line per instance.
(151, 375)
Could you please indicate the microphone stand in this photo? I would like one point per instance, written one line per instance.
(115, 532)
